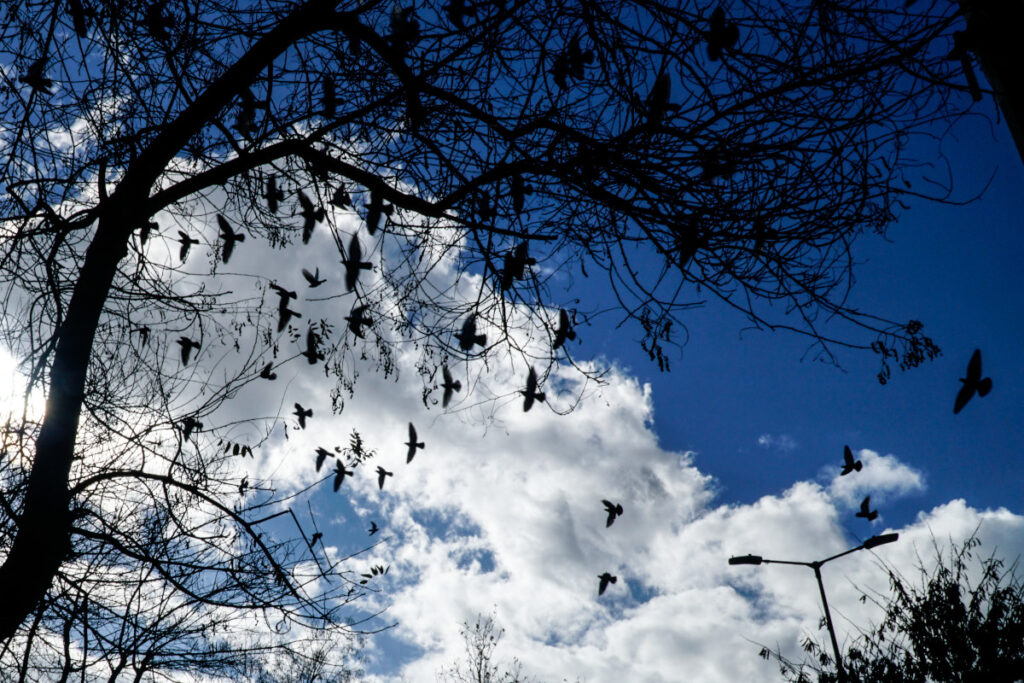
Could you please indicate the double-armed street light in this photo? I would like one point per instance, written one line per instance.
(868, 544)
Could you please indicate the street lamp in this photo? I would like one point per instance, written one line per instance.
(868, 544)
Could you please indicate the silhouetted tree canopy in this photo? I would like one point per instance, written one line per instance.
(678, 152)
(964, 621)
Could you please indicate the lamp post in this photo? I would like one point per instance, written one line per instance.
(868, 544)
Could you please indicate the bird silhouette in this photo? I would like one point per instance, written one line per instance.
(316, 537)
(468, 336)
(330, 98)
(243, 485)
(341, 198)
(156, 22)
(186, 245)
(530, 393)
(449, 386)
(519, 189)
(613, 510)
(321, 455)
(246, 118)
(189, 425)
(413, 444)
(356, 320)
(187, 345)
(340, 472)
(658, 100)
(373, 528)
(865, 510)
(266, 373)
(34, 77)
(310, 216)
(720, 35)
(313, 279)
(457, 11)
(354, 263)
(147, 228)
(762, 233)
(302, 414)
(229, 236)
(605, 578)
(285, 294)
(972, 383)
(382, 474)
(78, 18)
(374, 210)
(312, 352)
(564, 330)
(849, 465)
(284, 314)
(273, 195)
(144, 334)
(516, 261)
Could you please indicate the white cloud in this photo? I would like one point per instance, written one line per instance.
(784, 443)
(884, 477)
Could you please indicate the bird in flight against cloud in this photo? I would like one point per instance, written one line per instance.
(285, 294)
(186, 244)
(382, 474)
(356, 320)
(284, 315)
(516, 260)
(468, 336)
(564, 330)
(316, 537)
(267, 372)
(144, 334)
(34, 77)
(374, 210)
(613, 510)
(187, 345)
(302, 414)
(531, 394)
(373, 528)
(312, 352)
(413, 444)
(273, 195)
(229, 236)
(449, 386)
(340, 472)
(972, 383)
(849, 465)
(321, 455)
(865, 510)
(605, 578)
(310, 216)
(354, 263)
(341, 198)
(313, 279)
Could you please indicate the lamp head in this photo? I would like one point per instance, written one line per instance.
(746, 559)
(876, 541)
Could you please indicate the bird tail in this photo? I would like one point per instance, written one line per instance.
(457, 385)
(984, 386)
(539, 396)
(480, 339)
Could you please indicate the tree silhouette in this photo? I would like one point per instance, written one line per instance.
(516, 142)
(963, 622)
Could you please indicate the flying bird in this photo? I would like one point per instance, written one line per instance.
(266, 373)
(374, 210)
(468, 336)
(972, 383)
(865, 510)
(274, 195)
(382, 474)
(564, 330)
(312, 353)
(605, 578)
(530, 393)
(144, 333)
(186, 244)
(519, 189)
(321, 455)
(230, 237)
(373, 528)
(189, 425)
(34, 77)
(516, 260)
(613, 510)
(310, 215)
(354, 263)
(356, 320)
(243, 485)
(449, 386)
(157, 23)
(285, 294)
(147, 228)
(658, 100)
(313, 279)
(302, 414)
(849, 465)
(78, 18)
(316, 537)
(341, 198)
(284, 314)
(721, 35)
(340, 472)
(187, 345)
(413, 444)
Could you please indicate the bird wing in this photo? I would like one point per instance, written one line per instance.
(865, 505)
(963, 396)
(974, 367)
(225, 228)
(412, 436)
(984, 386)
(304, 201)
(847, 456)
(355, 252)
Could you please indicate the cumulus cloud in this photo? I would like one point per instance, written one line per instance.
(884, 477)
(784, 443)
